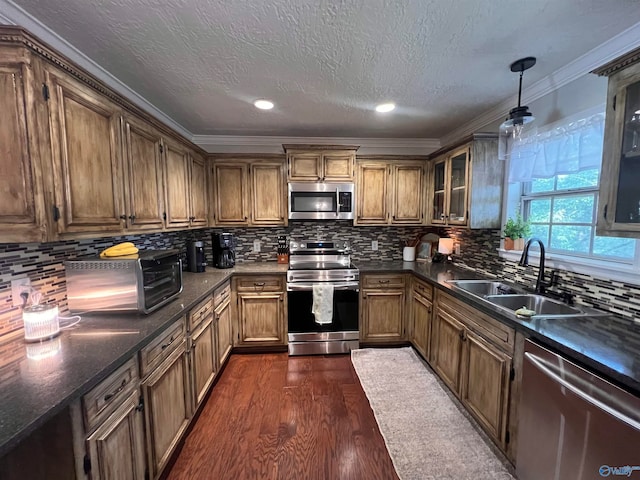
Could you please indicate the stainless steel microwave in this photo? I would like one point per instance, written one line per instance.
(141, 284)
(321, 201)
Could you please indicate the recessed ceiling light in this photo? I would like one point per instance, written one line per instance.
(385, 107)
(263, 104)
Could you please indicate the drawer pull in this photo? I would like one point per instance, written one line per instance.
(259, 284)
(383, 281)
(165, 345)
(109, 396)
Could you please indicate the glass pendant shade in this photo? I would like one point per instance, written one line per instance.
(518, 126)
(513, 134)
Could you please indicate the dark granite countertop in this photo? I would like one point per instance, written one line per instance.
(608, 344)
(38, 380)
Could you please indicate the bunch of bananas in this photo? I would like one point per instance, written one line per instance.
(120, 250)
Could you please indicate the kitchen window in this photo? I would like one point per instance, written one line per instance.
(559, 196)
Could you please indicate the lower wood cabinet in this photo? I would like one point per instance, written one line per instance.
(166, 393)
(473, 355)
(116, 448)
(382, 307)
(203, 358)
(201, 349)
(421, 310)
(448, 344)
(222, 318)
(261, 311)
(484, 387)
(108, 428)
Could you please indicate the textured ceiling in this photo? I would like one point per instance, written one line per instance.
(326, 63)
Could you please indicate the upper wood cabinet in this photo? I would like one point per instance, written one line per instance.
(320, 163)
(176, 180)
(230, 194)
(86, 149)
(143, 152)
(81, 161)
(248, 192)
(22, 201)
(198, 191)
(389, 193)
(268, 194)
(619, 204)
(466, 184)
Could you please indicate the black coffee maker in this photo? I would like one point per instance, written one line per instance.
(224, 250)
(196, 260)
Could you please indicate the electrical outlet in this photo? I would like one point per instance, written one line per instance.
(256, 245)
(374, 245)
(19, 286)
(456, 249)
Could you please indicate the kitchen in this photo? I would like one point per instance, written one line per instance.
(76, 234)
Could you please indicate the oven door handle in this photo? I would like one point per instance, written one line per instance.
(302, 287)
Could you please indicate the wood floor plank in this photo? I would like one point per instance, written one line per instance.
(277, 417)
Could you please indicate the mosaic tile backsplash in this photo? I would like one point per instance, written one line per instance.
(43, 263)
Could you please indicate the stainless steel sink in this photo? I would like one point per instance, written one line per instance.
(543, 306)
(509, 299)
(482, 288)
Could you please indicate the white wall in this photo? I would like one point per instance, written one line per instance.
(582, 94)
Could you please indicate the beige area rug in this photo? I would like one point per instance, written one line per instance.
(426, 434)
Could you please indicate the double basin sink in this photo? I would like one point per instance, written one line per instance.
(511, 299)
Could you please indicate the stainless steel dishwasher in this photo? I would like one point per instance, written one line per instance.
(573, 424)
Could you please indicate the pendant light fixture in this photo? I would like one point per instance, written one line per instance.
(517, 125)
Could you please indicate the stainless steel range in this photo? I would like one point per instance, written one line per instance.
(322, 262)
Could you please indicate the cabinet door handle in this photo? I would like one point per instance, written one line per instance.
(109, 396)
(442, 216)
(461, 335)
(165, 345)
(140, 406)
(123, 217)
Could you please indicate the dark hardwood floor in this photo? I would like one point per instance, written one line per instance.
(273, 416)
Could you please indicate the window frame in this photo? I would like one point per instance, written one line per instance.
(612, 268)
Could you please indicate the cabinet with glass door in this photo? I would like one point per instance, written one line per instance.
(466, 183)
(450, 180)
(619, 209)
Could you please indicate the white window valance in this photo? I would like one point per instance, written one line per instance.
(565, 149)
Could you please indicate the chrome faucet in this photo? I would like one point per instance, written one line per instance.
(541, 283)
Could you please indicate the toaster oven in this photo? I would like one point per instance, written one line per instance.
(141, 284)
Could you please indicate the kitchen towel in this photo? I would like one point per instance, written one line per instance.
(322, 303)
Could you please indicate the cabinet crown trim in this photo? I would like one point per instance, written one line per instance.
(619, 63)
(295, 147)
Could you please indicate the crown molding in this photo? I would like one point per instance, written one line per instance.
(602, 54)
(273, 144)
(5, 20)
(12, 14)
